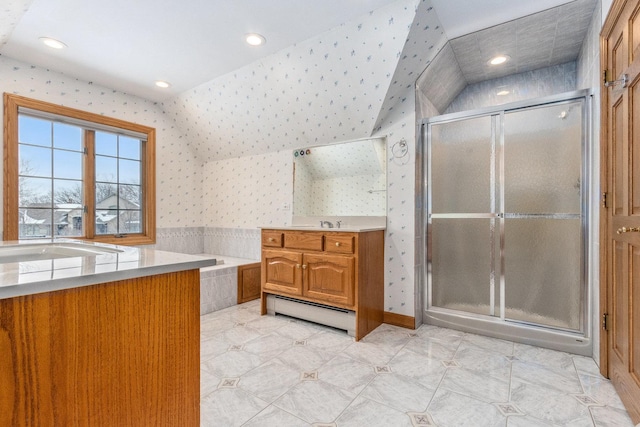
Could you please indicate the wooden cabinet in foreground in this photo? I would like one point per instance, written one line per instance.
(124, 353)
(329, 277)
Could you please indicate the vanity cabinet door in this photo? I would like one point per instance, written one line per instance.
(329, 278)
(282, 272)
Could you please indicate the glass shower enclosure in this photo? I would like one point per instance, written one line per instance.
(506, 211)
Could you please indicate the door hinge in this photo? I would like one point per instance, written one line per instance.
(605, 201)
(605, 321)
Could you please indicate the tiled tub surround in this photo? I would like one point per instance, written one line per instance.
(219, 284)
(231, 242)
(229, 246)
(278, 371)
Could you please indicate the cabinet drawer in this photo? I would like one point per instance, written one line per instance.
(339, 243)
(272, 239)
(303, 240)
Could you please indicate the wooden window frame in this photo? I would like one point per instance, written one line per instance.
(12, 104)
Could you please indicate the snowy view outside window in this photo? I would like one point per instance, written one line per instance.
(52, 168)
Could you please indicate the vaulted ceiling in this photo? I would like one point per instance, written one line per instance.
(330, 70)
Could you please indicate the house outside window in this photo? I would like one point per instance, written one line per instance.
(75, 174)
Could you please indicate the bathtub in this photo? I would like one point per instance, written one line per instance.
(219, 283)
(44, 251)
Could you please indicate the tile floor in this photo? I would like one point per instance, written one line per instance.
(278, 371)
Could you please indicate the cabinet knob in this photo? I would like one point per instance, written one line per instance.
(304, 267)
(337, 243)
(297, 265)
(271, 239)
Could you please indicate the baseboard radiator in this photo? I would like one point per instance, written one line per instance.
(323, 314)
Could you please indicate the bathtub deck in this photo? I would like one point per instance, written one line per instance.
(219, 283)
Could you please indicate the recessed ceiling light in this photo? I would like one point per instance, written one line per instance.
(53, 43)
(503, 93)
(500, 59)
(163, 84)
(255, 39)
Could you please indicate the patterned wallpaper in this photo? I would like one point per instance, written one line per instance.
(425, 39)
(326, 89)
(178, 179)
(10, 13)
(246, 192)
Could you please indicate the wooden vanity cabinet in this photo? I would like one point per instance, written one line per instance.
(332, 268)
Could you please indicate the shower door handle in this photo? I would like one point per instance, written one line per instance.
(628, 230)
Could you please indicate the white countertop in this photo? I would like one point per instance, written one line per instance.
(345, 228)
(32, 277)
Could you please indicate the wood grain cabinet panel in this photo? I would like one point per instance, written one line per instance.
(125, 353)
(308, 240)
(272, 239)
(329, 278)
(281, 271)
(332, 268)
(341, 243)
(248, 282)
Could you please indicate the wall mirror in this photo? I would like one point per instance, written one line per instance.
(342, 179)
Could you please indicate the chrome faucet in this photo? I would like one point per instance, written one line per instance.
(327, 223)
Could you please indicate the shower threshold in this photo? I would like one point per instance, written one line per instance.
(540, 336)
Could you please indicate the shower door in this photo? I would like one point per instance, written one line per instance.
(505, 213)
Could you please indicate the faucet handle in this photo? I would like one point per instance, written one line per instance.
(338, 224)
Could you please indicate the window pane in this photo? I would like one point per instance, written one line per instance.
(129, 172)
(67, 164)
(67, 136)
(129, 222)
(106, 169)
(34, 223)
(34, 192)
(67, 192)
(106, 222)
(129, 148)
(34, 161)
(106, 144)
(47, 173)
(105, 195)
(65, 220)
(130, 196)
(34, 131)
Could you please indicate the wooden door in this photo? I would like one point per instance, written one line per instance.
(329, 278)
(281, 271)
(620, 215)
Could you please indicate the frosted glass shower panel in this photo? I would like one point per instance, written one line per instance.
(461, 264)
(543, 272)
(461, 176)
(542, 161)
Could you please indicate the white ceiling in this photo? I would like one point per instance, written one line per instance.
(127, 45)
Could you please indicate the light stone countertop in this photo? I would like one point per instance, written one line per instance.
(19, 278)
(346, 228)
